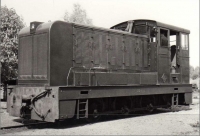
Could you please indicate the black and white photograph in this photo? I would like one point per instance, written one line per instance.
(99, 67)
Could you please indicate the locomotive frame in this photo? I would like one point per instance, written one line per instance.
(68, 70)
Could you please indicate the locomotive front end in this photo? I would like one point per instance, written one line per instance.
(37, 103)
(32, 97)
(41, 71)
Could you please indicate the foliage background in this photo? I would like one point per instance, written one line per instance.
(11, 24)
(194, 76)
(78, 15)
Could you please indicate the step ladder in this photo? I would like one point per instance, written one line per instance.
(82, 108)
(174, 101)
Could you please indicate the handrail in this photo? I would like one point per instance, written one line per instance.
(70, 71)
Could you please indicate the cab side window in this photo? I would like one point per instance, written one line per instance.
(163, 38)
(184, 41)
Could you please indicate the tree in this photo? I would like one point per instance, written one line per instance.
(79, 15)
(194, 72)
(11, 24)
(191, 71)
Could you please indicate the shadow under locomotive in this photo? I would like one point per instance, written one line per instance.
(73, 123)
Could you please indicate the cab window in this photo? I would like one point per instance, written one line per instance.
(140, 29)
(163, 38)
(184, 41)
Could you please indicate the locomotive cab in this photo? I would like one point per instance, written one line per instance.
(172, 45)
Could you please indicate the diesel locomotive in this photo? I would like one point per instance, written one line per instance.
(67, 70)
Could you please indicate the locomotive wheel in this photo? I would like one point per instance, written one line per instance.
(167, 100)
(147, 102)
(95, 108)
(123, 105)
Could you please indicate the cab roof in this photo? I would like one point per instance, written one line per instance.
(160, 24)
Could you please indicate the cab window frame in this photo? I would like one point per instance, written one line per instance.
(167, 36)
(134, 29)
(184, 41)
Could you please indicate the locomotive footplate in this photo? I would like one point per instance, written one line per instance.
(118, 91)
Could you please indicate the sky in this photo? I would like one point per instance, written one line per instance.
(106, 13)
